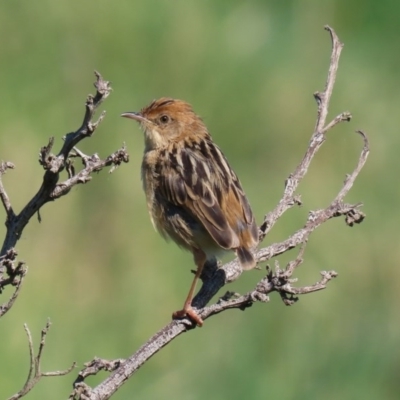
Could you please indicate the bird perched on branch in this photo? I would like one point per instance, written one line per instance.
(193, 195)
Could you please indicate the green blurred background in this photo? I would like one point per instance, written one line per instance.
(108, 281)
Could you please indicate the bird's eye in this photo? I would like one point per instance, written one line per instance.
(164, 119)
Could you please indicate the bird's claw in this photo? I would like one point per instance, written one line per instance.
(190, 313)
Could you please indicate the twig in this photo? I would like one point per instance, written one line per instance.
(18, 284)
(35, 373)
(4, 166)
(15, 273)
(349, 182)
(92, 368)
(324, 98)
(92, 164)
(317, 139)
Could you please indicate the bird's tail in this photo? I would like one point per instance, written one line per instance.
(246, 258)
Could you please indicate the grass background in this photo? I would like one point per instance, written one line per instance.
(108, 281)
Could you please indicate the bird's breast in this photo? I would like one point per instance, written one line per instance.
(172, 220)
(149, 181)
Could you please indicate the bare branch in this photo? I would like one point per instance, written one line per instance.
(326, 277)
(214, 277)
(8, 304)
(4, 166)
(350, 179)
(92, 164)
(92, 368)
(343, 117)
(15, 272)
(97, 365)
(317, 139)
(103, 90)
(35, 374)
(111, 384)
(324, 98)
(51, 189)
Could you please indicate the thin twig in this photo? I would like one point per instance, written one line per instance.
(4, 166)
(34, 374)
(350, 179)
(92, 164)
(4, 308)
(317, 139)
(343, 117)
(324, 98)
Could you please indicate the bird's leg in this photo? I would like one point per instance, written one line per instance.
(200, 259)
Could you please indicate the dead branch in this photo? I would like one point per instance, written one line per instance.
(35, 374)
(52, 188)
(279, 280)
(15, 274)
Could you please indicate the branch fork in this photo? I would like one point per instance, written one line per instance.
(51, 188)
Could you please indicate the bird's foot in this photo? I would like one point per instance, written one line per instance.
(190, 313)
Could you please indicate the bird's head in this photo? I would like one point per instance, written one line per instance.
(167, 120)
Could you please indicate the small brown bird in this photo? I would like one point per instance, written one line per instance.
(193, 196)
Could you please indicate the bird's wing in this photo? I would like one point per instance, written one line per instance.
(200, 180)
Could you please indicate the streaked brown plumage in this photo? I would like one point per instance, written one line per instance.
(193, 196)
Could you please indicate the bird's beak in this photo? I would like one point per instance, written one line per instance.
(134, 115)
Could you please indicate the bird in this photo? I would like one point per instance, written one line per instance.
(193, 195)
